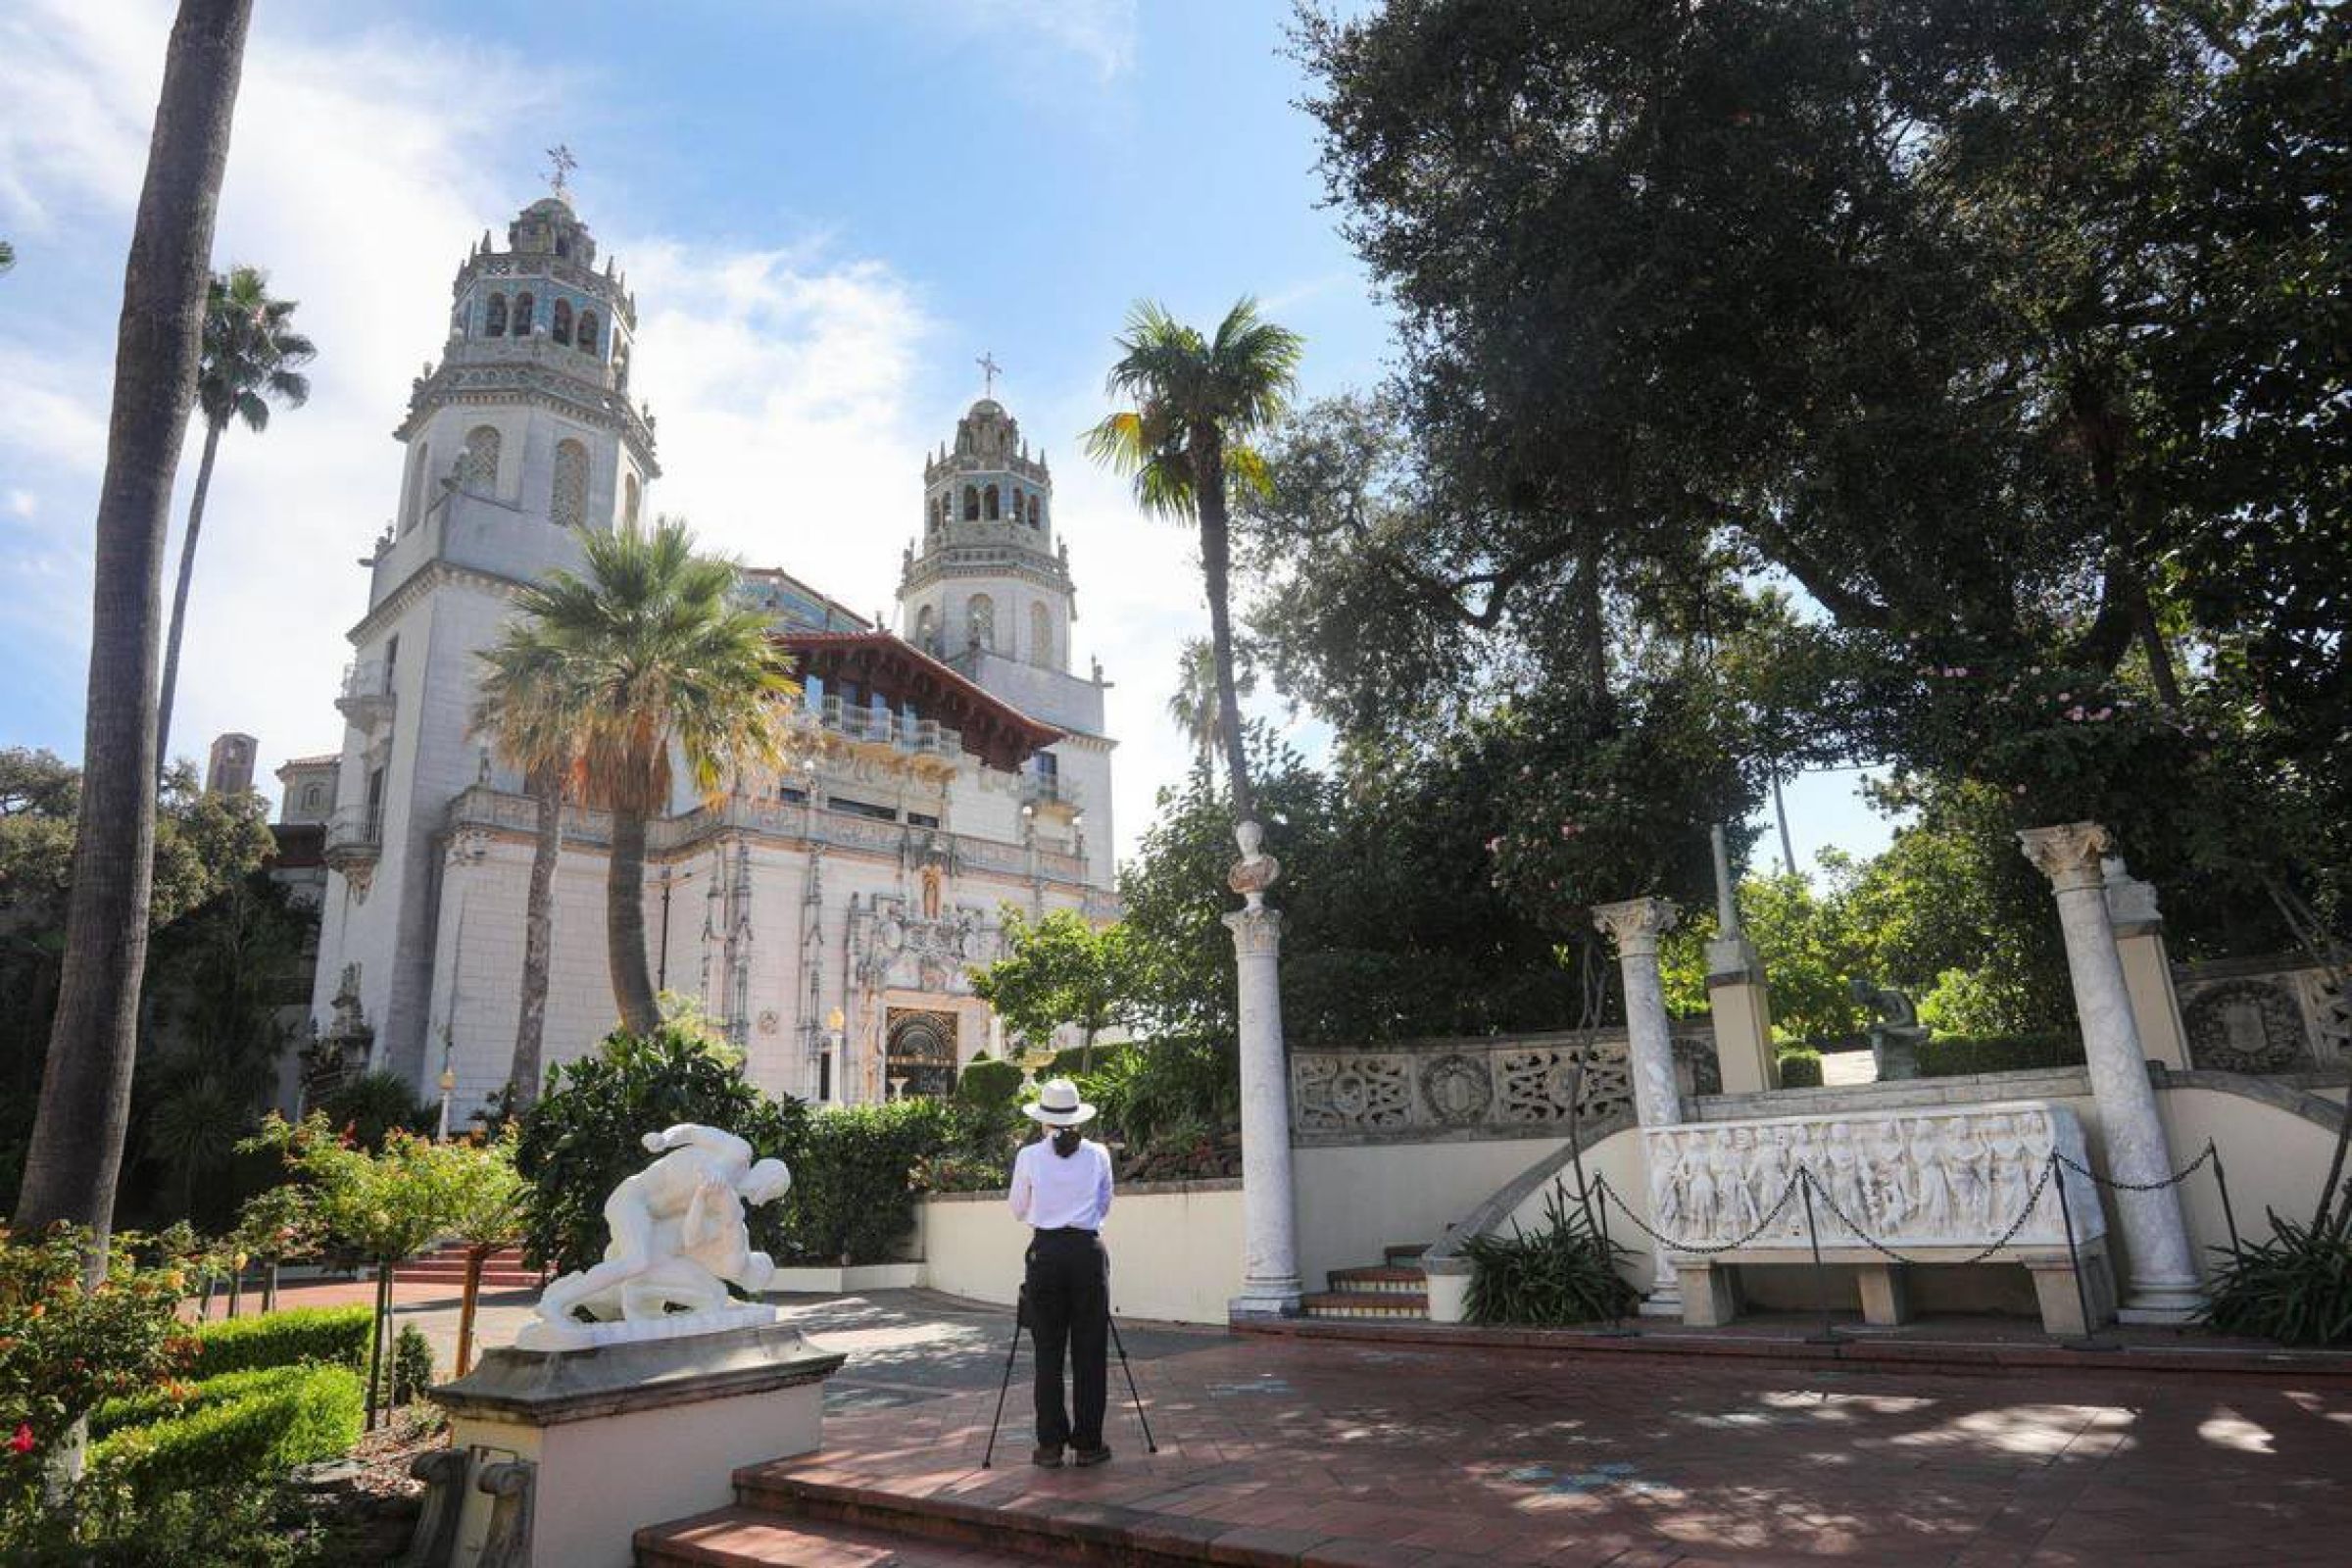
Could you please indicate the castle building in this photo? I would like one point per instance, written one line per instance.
(828, 923)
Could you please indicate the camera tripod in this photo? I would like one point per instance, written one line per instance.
(1020, 1321)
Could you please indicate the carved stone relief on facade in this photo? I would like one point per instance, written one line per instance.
(1353, 1090)
(2250, 1025)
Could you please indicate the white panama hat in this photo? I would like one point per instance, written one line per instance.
(1057, 1104)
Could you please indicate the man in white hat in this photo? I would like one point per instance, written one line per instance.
(1062, 1190)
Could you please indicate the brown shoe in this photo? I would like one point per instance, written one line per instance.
(1048, 1458)
(1093, 1457)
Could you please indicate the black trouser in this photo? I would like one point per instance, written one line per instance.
(1069, 1307)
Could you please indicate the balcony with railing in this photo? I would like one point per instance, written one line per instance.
(881, 726)
(366, 695)
(355, 833)
(1051, 791)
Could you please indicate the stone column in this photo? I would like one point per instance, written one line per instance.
(2163, 1286)
(1738, 1001)
(1635, 927)
(1271, 1284)
(2148, 967)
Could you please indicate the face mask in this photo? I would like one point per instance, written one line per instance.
(1065, 1142)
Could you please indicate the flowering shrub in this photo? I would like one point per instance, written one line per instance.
(64, 1350)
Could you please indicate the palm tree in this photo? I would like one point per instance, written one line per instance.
(76, 1151)
(8, 256)
(522, 708)
(651, 653)
(1194, 707)
(1195, 403)
(250, 355)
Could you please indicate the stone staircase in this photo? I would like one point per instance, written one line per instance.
(502, 1270)
(1395, 1291)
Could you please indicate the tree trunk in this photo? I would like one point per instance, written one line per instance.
(179, 597)
(236, 1291)
(538, 927)
(476, 1256)
(624, 925)
(269, 1288)
(1216, 568)
(1780, 810)
(1594, 612)
(75, 1155)
(375, 1341)
(2159, 655)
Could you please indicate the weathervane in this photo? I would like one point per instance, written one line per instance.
(990, 368)
(560, 159)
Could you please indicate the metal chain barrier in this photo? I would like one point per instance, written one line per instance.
(2033, 1199)
(1696, 1249)
(2210, 1156)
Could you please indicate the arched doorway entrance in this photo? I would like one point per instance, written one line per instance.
(919, 1057)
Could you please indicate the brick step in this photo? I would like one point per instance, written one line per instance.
(1404, 1252)
(1383, 1279)
(753, 1537)
(1029, 1530)
(1365, 1303)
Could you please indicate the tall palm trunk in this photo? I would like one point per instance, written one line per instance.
(624, 925)
(76, 1151)
(538, 925)
(1216, 567)
(179, 595)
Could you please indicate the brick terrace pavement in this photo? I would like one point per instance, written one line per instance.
(1284, 1450)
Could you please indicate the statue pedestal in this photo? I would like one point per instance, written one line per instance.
(570, 1453)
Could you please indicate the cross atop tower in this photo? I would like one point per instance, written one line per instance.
(989, 370)
(560, 163)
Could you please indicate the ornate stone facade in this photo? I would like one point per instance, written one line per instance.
(2260, 1015)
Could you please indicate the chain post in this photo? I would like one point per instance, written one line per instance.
(2090, 1340)
(1828, 1334)
(1618, 1328)
(2222, 1182)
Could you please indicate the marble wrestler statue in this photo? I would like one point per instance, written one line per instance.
(678, 1233)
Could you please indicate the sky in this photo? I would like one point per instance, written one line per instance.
(828, 209)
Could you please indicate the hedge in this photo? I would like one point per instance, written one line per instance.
(180, 1398)
(1963, 1056)
(295, 1415)
(1800, 1070)
(283, 1338)
(988, 1084)
(853, 1196)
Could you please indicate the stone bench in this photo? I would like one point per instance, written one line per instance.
(1933, 1184)
(1710, 1284)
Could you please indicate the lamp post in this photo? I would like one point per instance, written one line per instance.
(835, 1022)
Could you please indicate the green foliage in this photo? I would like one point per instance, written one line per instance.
(2295, 1288)
(1565, 1273)
(1800, 1067)
(308, 1413)
(1960, 1055)
(1059, 970)
(1165, 1091)
(988, 1085)
(1811, 947)
(335, 1335)
(852, 1191)
(371, 1106)
(582, 1138)
(64, 1350)
(175, 1398)
(103, 1521)
(411, 1364)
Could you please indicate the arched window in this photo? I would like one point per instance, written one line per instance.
(585, 334)
(1016, 513)
(1034, 513)
(971, 504)
(314, 797)
(629, 494)
(620, 368)
(477, 471)
(926, 630)
(980, 622)
(568, 502)
(494, 320)
(989, 503)
(520, 325)
(559, 325)
(1041, 636)
(419, 472)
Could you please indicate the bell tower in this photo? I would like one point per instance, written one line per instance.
(517, 442)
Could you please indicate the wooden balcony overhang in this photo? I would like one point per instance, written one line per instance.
(883, 665)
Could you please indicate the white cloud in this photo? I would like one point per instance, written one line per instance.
(1101, 33)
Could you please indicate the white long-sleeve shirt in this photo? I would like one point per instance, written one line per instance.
(1052, 1193)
